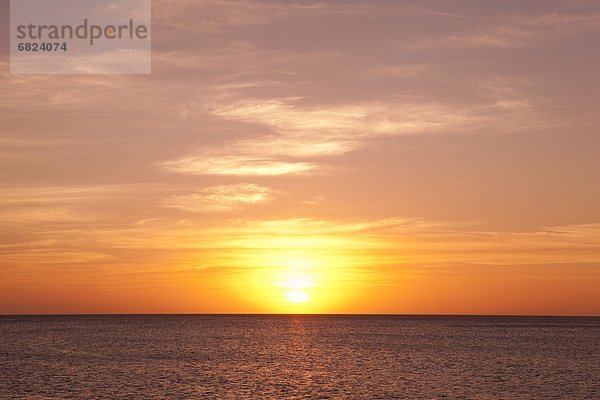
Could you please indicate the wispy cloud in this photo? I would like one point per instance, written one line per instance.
(222, 198)
(110, 62)
(33, 205)
(301, 133)
(290, 118)
(399, 71)
(298, 135)
(511, 31)
(374, 242)
(222, 162)
(63, 194)
(214, 15)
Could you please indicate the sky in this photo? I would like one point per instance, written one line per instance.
(435, 157)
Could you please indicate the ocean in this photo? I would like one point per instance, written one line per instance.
(298, 357)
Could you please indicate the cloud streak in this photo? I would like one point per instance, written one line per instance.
(222, 198)
(511, 31)
(299, 134)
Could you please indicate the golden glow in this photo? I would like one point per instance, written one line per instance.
(297, 296)
(296, 286)
(292, 280)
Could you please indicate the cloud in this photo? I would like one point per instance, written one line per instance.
(338, 121)
(66, 204)
(298, 137)
(214, 15)
(511, 31)
(119, 61)
(398, 71)
(221, 162)
(61, 194)
(299, 134)
(364, 243)
(29, 215)
(222, 198)
(54, 256)
(211, 15)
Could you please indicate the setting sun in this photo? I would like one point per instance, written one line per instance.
(297, 285)
(297, 296)
(288, 279)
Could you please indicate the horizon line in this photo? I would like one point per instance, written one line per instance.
(302, 314)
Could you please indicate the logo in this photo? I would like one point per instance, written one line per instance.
(80, 37)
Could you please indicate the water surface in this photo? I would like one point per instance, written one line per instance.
(299, 357)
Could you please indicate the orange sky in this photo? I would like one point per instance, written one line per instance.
(341, 157)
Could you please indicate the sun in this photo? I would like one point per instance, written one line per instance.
(297, 296)
(296, 286)
(306, 280)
